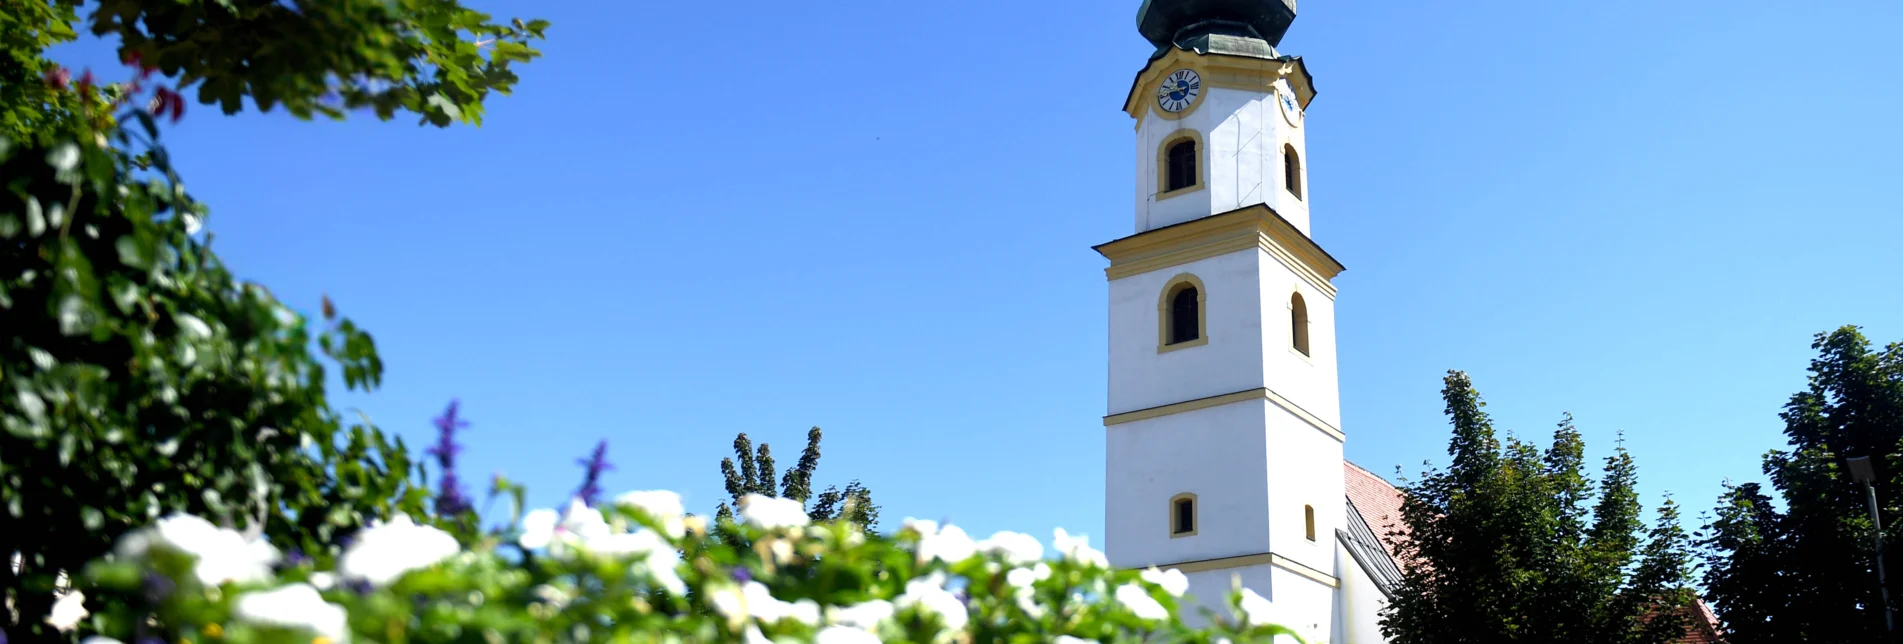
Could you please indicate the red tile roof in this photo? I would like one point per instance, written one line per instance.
(1380, 504)
(1378, 501)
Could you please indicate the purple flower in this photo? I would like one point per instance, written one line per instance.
(596, 463)
(157, 587)
(742, 575)
(450, 500)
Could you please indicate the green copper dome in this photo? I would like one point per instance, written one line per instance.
(1166, 23)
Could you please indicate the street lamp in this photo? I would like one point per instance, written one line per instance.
(1862, 472)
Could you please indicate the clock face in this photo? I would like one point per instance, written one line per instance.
(1179, 90)
(1291, 110)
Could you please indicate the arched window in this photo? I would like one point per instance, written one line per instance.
(1183, 515)
(1184, 312)
(1292, 170)
(1182, 318)
(1298, 323)
(1308, 515)
(1181, 161)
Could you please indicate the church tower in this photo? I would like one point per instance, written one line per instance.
(1224, 440)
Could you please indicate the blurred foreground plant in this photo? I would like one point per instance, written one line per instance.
(638, 570)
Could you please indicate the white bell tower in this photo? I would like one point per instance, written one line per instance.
(1224, 440)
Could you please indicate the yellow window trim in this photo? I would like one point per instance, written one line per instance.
(1170, 288)
(1195, 515)
(1163, 163)
(1258, 393)
(1245, 561)
(1255, 226)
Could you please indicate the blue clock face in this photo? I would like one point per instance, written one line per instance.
(1291, 110)
(1179, 90)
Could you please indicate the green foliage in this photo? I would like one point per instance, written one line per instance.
(755, 476)
(27, 29)
(1806, 571)
(641, 572)
(435, 58)
(138, 376)
(1501, 547)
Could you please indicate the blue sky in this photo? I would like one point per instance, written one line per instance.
(876, 217)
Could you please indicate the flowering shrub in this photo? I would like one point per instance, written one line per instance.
(637, 569)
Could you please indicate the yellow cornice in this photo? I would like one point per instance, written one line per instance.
(1254, 226)
(1258, 393)
(1218, 70)
(1244, 561)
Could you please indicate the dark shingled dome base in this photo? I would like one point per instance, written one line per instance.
(1165, 22)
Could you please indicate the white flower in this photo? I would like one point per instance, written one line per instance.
(1173, 581)
(382, 553)
(754, 636)
(68, 610)
(1013, 547)
(864, 615)
(662, 505)
(223, 555)
(558, 532)
(323, 580)
(1066, 639)
(754, 600)
(804, 611)
(929, 594)
(769, 513)
(649, 550)
(844, 635)
(1139, 601)
(949, 544)
(1256, 609)
(296, 606)
(1024, 577)
(730, 602)
(921, 526)
(1026, 599)
(100, 639)
(1078, 549)
(538, 528)
(640, 542)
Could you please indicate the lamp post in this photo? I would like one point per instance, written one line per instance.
(1862, 472)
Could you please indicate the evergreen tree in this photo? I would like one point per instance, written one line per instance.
(1501, 546)
(754, 475)
(1805, 572)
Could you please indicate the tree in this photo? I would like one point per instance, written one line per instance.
(138, 376)
(1509, 544)
(755, 476)
(1805, 572)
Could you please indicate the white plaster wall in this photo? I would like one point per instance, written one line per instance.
(1243, 132)
(1311, 381)
(1304, 469)
(1299, 603)
(1358, 605)
(1302, 604)
(1141, 378)
(1210, 589)
(1294, 209)
(1215, 453)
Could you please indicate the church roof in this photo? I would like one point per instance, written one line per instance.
(1378, 502)
(1369, 552)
